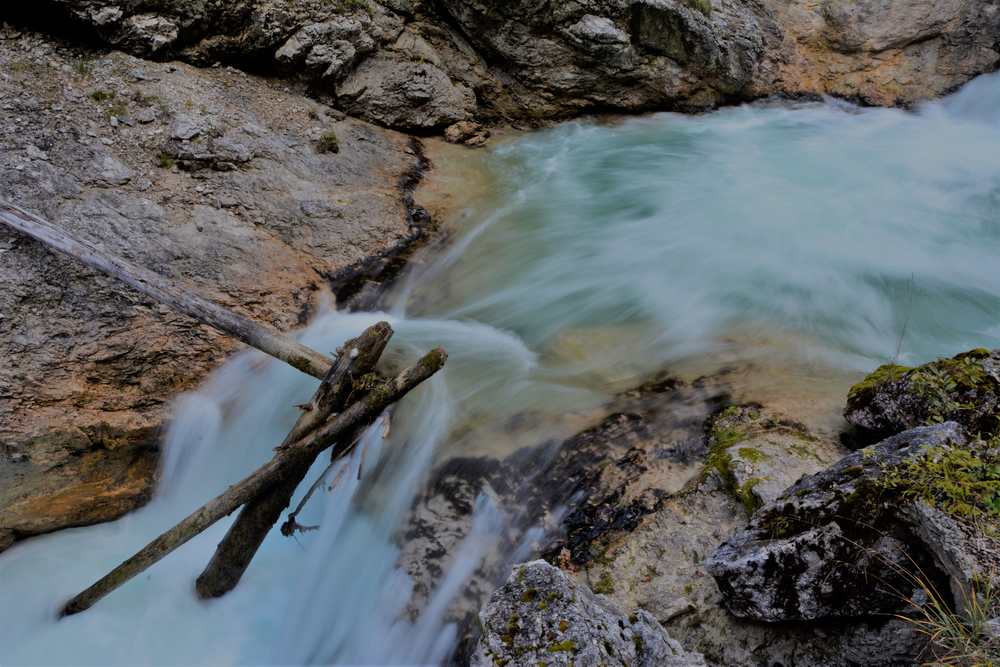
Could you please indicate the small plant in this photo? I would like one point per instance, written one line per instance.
(165, 161)
(83, 67)
(328, 143)
(102, 95)
(959, 482)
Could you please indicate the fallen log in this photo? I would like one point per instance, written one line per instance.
(234, 553)
(284, 462)
(165, 291)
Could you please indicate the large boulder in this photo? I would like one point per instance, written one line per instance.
(851, 541)
(964, 389)
(542, 617)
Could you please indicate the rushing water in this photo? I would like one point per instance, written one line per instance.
(840, 236)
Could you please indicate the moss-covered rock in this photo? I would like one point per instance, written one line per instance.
(848, 541)
(759, 454)
(541, 616)
(964, 389)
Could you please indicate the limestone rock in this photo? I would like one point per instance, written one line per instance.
(759, 454)
(833, 545)
(965, 389)
(541, 616)
(416, 96)
(90, 367)
(467, 133)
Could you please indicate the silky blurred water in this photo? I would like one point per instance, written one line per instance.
(843, 236)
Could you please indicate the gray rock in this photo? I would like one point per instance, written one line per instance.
(965, 389)
(541, 616)
(407, 95)
(831, 546)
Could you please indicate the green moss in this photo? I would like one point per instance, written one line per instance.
(529, 595)
(752, 455)
(563, 626)
(604, 585)
(102, 95)
(959, 482)
(328, 143)
(165, 161)
(747, 497)
(864, 390)
(703, 6)
(510, 632)
(566, 646)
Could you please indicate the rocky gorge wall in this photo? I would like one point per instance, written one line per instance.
(422, 65)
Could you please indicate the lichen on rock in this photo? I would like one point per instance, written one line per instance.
(541, 616)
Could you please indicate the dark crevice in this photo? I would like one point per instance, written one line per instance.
(362, 285)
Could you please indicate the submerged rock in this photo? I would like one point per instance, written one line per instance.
(542, 617)
(847, 542)
(964, 389)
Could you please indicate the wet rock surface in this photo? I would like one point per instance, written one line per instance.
(209, 176)
(541, 616)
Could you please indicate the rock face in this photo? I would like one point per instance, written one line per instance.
(541, 616)
(425, 65)
(965, 389)
(207, 175)
(846, 541)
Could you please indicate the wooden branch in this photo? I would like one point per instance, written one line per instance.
(274, 472)
(165, 291)
(233, 555)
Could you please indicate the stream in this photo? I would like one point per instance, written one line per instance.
(804, 242)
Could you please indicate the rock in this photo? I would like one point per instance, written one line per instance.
(540, 616)
(759, 454)
(843, 542)
(531, 60)
(107, 170)
(90, 368)
(468, 133)
(415, 96)
(965, 389)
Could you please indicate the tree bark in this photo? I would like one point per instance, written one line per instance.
(167, 292)
(234, 553)
(275, 471)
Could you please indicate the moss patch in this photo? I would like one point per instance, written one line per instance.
(865, 390)
(959, 482)
(328, 143)
(604, 585)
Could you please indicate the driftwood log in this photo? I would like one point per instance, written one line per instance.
(286, 462)
(233, 555)
(167, 292)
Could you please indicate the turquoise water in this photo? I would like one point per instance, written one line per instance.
(866, 233)
(842, 236)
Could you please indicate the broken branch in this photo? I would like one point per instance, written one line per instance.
(233, 555)
(165, 291)
(272, 472)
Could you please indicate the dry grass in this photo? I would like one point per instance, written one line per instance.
(959, 640)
